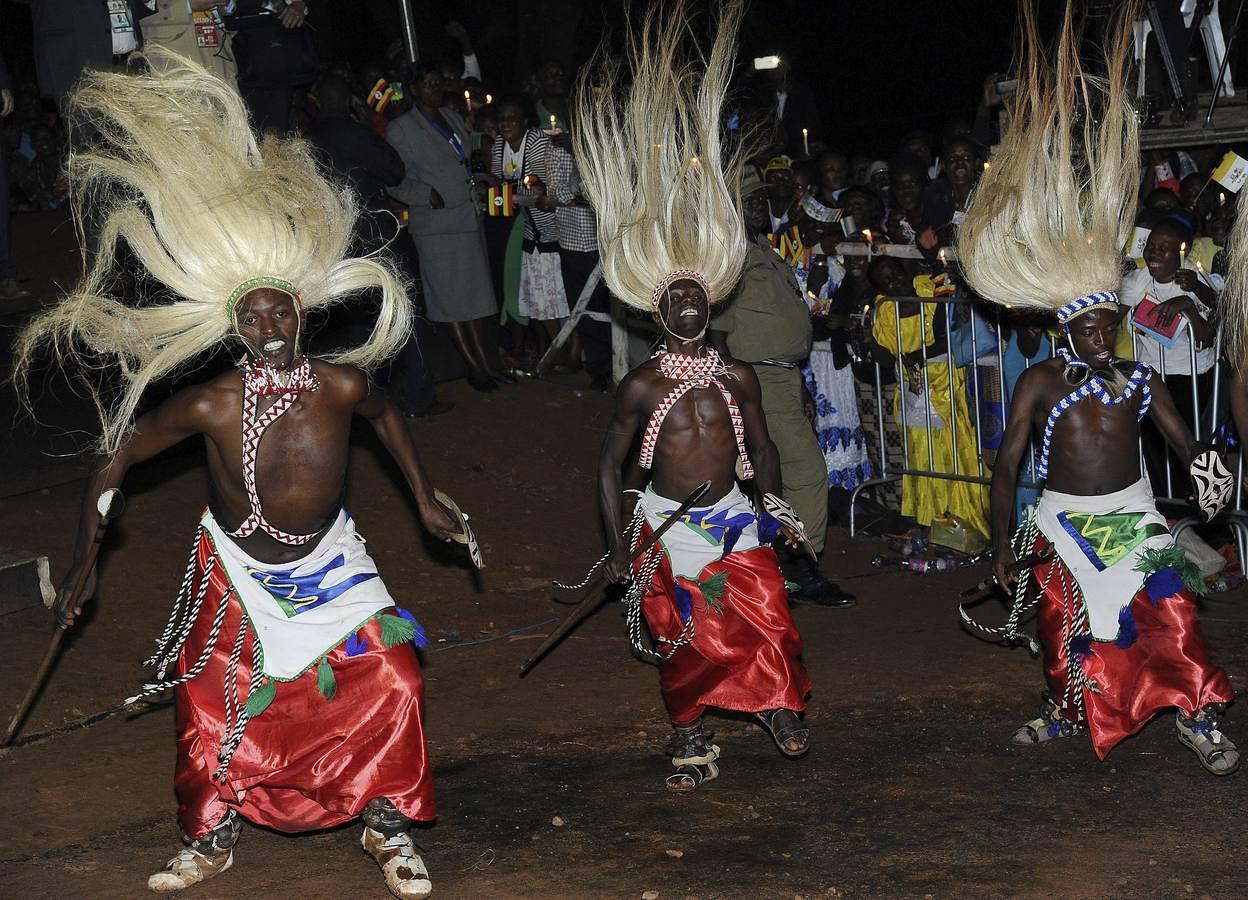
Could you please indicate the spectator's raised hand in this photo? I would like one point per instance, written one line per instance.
(294, 14)
(991, 96)
(1190, 280)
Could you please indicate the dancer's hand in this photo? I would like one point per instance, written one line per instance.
(1003, 561)
(619, 566)
(438, 520)
(64, 615)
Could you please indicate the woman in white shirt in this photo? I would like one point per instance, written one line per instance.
(1180, 289)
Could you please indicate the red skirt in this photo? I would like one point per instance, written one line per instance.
(1166, 665)
(305, 763)
(745, 650)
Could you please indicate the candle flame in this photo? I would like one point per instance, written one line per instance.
(489, 98)
(467, 95)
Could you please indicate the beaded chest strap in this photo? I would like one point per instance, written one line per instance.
(692, 372)
(258, 382)
(1093, 387)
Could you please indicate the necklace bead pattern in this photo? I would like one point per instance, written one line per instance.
(1093, 387)
(261, 381)
(691, 372)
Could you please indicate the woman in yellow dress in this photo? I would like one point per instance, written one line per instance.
(928, 394)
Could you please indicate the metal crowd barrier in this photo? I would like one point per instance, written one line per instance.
(1204, 420)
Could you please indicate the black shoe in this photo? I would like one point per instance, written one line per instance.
(482, 383)
(822, 592)
(810, 584)
(436, 408)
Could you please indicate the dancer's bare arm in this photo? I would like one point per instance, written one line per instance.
(1005, 472)
(629, 408)
(373, 404)
(189, 412)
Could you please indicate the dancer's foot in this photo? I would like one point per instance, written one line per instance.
(187, 868)
(694, 757)
(790, 733)
(1048, 726)
(1201, 735)
(406, 875)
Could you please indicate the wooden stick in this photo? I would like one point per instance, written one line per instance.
(109, 505)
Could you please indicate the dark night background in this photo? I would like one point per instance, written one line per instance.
(880, 69)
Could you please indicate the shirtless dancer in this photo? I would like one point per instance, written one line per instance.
(1117, 598)
(712, 594)
(298, 691)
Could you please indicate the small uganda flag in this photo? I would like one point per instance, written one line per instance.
(1231, 172)
(501, 201)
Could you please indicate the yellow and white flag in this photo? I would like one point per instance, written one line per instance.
(1137, 242)
(1232, 172)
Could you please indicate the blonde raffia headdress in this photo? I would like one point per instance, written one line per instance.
(166, 162)
(1047, 223)
(652, 160)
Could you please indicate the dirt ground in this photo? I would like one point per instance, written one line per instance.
(553, 786)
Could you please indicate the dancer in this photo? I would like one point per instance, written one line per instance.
(298, 693)
(1117, 600)
(673, 243)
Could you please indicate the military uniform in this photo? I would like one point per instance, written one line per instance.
(767, 324)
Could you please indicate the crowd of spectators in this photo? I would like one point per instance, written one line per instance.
(474, 186)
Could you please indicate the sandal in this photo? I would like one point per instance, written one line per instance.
(1048, 726)
(694, 757)
(1201, 735)
(792, 737)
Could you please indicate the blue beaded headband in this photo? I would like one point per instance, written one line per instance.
(1083, 304)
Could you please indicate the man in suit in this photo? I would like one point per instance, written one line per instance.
(71, 35)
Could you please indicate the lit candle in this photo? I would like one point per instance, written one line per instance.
(468, 101)
(553, 126)
(1221, 198)
(805, 142)
(867, 233)
(489, 98)
(944, 262)
(1182, 254)
(987, 165)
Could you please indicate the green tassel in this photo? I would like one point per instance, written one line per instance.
(713, 590)
(395, 631)
(260, 698)
(1173, 557)
(325, 681)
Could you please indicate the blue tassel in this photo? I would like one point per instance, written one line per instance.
(1163, 583)
(1081, 645)
(419, 639)
(1127, 632)
(684, 602)
(768, 528)
(355, 644)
